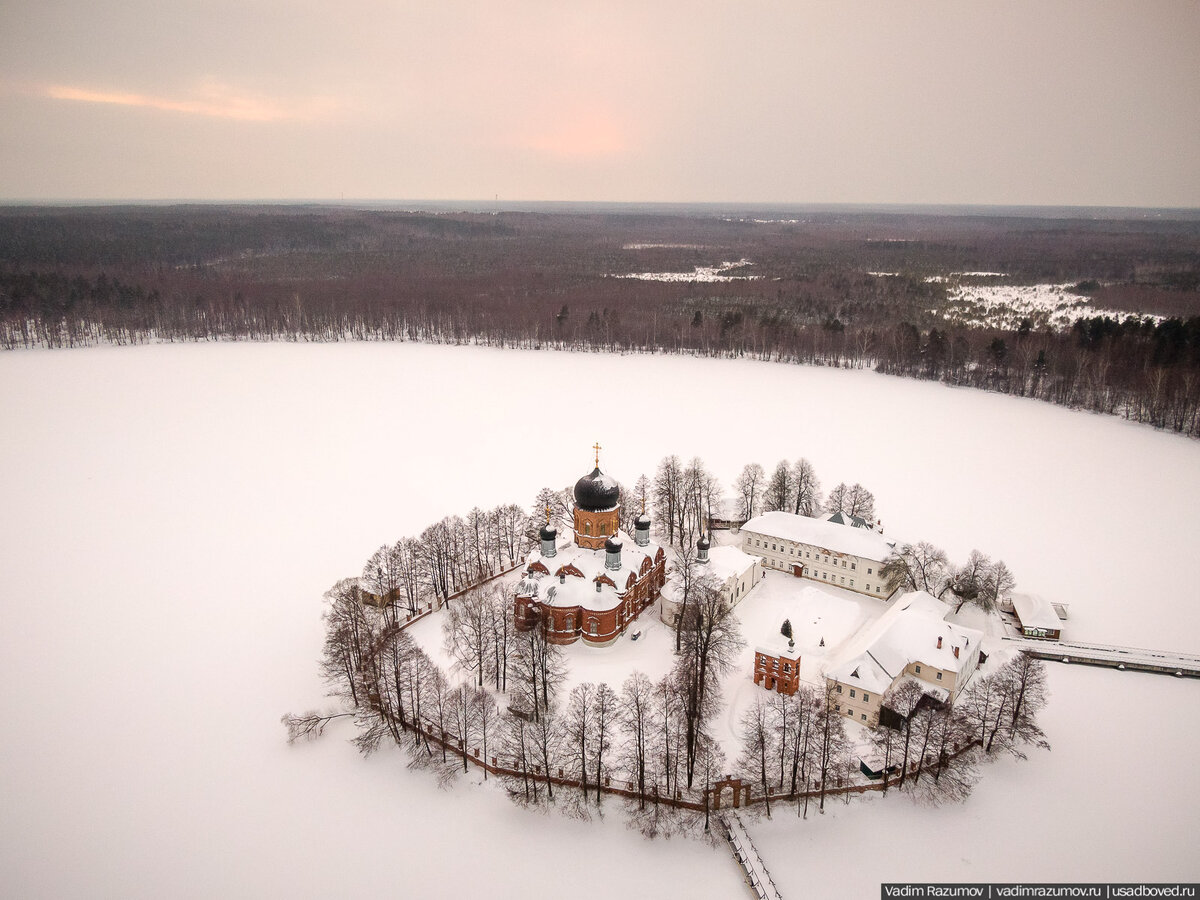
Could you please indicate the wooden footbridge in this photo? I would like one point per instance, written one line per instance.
(1162, 662)
(757, 877)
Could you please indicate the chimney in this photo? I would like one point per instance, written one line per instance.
(956, 653)
(939, 642)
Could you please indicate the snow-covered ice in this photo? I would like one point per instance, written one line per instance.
(172, 515)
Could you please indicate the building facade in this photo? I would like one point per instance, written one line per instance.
(825, 551)
(735, 571)
(591, 586)
(912, 639)
(777, 666)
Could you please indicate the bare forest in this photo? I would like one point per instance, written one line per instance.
(838, 288)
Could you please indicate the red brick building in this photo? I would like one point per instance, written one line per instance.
(594, 585)
(777, 666)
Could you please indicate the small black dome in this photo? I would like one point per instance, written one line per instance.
(643, 521)
(702, 544)
(596, 492)
(548, 532)
(612, 545)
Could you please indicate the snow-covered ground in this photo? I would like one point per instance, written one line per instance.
(171, 516)
(1006, 305)
(700, 273)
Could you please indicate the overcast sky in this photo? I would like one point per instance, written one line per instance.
(1008, 102)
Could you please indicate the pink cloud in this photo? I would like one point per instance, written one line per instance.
(212, 99)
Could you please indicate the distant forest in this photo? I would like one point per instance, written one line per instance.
(137, 274)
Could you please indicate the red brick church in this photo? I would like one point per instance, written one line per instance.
(593, 585)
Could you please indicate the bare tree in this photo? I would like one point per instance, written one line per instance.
(578, 727)
(538, 670)
(546, 738)
(903, 699)
(636, 711)
(501, 632)
(830, 746)
(381, 577)
(807, 488)
(997, 585)
(484, 717)
(437, 703)
(916, 567)
(605, 718)
(667, 491)
(854, 500)
(466, 633)
(710, 643)
(749, 486)
(710, 763)
(460, 713)
(348, 634)
(757, 731)
(798, 735)
(309, 726)
(780, 488)
(967, 581)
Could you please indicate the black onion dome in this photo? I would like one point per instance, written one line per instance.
(612, 545)
(596, 492)
(703, 543)
(548, 532)
(643, 521)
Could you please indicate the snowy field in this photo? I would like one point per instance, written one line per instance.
(172, 515)
(700, 273)
(1006, 305)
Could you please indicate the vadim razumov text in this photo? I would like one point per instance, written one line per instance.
(999, 891)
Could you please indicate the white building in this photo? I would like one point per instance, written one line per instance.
(847, 556)
(737, 573)
(912, 639)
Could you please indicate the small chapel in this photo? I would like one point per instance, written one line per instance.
(595, 582)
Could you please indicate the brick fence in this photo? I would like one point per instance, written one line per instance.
(432, 606)
(743, 792)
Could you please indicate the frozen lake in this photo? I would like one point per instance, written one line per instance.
(172, 515)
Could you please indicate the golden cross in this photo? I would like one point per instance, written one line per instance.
(547, 513)
(596, 447)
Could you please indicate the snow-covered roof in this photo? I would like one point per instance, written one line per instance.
(907, 632)
(777, 645)
(576, 591)
(859, 542)
(729, 562)
(862, 671)
(1035, 611)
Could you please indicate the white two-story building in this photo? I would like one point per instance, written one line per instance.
(839, 554)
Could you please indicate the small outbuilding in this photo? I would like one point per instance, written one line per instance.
(1036, 617)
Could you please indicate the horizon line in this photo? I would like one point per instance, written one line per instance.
(477, 205)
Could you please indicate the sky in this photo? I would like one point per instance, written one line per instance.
(1047, 102)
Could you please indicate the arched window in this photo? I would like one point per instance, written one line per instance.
(587, 527)
(604, 528)
(591, 626)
